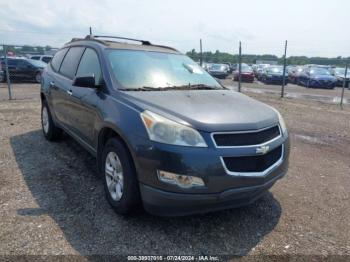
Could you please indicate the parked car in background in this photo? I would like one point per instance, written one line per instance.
(274, 75)
(45, 58)
(247, 74)
(166, 135)
(317, 77)
(260, 70)
(206, 65)
(23, 68)
(339, 73)
(218, 70)
(229, 67)
(294, 73)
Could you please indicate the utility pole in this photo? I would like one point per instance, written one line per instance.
(201, 52)
(284, 69)
(239, 66)
(7, 73)
(90, 31)
(344, 83)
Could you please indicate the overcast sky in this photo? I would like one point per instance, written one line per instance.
(312, 27)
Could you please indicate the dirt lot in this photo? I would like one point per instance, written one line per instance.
(52, 202)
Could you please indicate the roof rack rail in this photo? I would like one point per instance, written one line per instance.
(95, 38)
(144, 42)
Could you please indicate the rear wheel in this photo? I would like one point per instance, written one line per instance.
(50, 130)
(38, 77)
(120, 180)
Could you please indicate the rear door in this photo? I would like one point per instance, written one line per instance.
(24, 69)
(12, 67)
(65, 77)
(57, 89)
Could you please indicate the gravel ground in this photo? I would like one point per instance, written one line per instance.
(52, 202)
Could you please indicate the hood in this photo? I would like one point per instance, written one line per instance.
(207, 110)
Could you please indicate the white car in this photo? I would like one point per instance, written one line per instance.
(45, 58)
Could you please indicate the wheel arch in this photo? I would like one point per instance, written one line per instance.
(106, 132)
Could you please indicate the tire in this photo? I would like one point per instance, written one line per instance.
(121, 188)
(37, 77)
(50, 130)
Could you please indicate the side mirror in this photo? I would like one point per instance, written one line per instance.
(85, 81)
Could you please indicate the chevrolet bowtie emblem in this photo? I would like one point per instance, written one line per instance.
(262, 150)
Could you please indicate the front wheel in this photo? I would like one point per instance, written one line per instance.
(120, 180)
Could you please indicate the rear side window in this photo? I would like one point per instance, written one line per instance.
(90, 64)
(35, 57)
(71, 61)
(12, 62)
(57, 59)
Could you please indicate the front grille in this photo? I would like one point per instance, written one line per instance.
(258, 163)
(246, 138)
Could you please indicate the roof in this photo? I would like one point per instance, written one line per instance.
(144, 45)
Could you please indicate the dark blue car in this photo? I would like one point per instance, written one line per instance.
(317, 77)
(166, 135)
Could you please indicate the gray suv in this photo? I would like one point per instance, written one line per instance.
(166, 135)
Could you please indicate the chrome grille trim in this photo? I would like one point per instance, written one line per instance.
(255, 174)
(243, 132)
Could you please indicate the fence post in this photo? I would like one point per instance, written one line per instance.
(344, 83)
(201, 52)
(284, 69)
(7, 73)
(239, 67)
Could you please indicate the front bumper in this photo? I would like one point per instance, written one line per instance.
(322, 83)
(163, 203)
(222, 190)
(276, 80)
(218, 74)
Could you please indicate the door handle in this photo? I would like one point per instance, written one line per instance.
(69, 92)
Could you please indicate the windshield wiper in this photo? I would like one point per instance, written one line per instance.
(166, 88)
(144, 88)
(190, 87)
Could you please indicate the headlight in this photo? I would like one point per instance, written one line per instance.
(282, 123)
(163, 130)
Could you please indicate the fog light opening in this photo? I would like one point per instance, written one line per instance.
(180, 180)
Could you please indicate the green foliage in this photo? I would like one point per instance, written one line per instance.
(219, 57)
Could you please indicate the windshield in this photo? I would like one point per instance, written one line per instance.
(246, 68)
(341, 71)
(275, 69)
(217, 67)
(139, 69)
(37, 63)
(319, 71)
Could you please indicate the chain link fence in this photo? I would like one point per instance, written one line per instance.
(315, 78)
(20, 69)
(21, 66)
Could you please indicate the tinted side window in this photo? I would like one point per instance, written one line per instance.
(12, 62)
(46, 59)
(23, 63)
(35, 57)
(57, 59)
(71, 61)
(90, 64)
